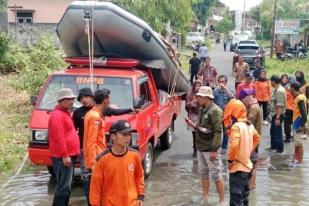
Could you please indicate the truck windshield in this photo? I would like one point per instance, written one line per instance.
(121, 90)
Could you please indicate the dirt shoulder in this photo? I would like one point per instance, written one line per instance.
(14, 114)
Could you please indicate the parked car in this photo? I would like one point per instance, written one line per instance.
(194, 37)
(131, 86)
(250, 52)
(236, 39)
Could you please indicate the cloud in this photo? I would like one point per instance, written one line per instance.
(239, 4)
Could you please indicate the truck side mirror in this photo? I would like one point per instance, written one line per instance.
(33, 100)
(138, 102)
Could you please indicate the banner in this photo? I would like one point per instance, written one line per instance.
(287, 26)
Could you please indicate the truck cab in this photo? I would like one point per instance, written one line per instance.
(131, 86)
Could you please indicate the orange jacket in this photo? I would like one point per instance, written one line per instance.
(243, 139)
(94, 136)
(263, 91)
(117, 180)
(289, 100)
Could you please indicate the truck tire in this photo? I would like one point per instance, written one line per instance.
(51, 172)
(167, 138)
(148, 160)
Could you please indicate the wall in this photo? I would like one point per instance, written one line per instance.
(46, 11)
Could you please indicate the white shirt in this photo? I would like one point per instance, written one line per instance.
(203, 51)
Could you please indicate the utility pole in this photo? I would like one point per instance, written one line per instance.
(15, 7)
(273, 31)
(244, 18)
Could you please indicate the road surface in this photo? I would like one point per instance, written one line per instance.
(175, 180)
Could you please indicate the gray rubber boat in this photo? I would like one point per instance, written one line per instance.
(120, 34)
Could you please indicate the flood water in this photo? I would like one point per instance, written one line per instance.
(177, 183)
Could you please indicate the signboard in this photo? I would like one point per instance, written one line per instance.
(291, 26)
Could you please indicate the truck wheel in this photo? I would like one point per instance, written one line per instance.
(167, 138)
(51, 172)
(148, 160)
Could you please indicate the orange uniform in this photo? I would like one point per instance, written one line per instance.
(289, 100)
(117, 180)
(94, 136)
(241, 146)
(263, 91)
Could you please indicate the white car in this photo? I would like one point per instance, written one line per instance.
(194, 37)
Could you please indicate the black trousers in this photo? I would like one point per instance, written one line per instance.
(194, 139)
(264, 106)
(239, 189)
(193, 76)
(288, 121)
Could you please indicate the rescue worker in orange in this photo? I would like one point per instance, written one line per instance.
(94, 131)
(263, 94)
(243, 140)
(118, 176)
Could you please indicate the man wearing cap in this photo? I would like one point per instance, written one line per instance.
(86, 98)
(118, 177)
(63, 145)
(254, 116)
(257, 70)
(208, 141)
(278, 107)
(248, 84)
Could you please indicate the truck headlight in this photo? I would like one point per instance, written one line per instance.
(40, 135)
(134, 139)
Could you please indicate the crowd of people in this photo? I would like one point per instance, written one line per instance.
(111, 176)
(257, 101)
(222, 122)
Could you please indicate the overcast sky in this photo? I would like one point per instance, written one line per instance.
(239, 4)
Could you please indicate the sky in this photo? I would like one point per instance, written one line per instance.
(239, 4)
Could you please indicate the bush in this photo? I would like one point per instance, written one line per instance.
(43, 59)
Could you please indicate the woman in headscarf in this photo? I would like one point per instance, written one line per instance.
(288, 120)
(193, 109)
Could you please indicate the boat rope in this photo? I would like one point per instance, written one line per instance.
(92, 45)
(89, 29)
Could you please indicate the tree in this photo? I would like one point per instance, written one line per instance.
(297, 9)
(226, 24)
(202, 8)
(159, 12)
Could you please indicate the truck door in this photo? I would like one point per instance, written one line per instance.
(148, 116)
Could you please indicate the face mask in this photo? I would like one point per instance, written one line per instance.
(299, 79)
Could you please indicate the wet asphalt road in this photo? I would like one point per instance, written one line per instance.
(175, 180)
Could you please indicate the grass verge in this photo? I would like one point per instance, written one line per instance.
(14, 109)
(274, 66)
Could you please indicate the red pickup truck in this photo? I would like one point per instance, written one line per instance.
(131, 86)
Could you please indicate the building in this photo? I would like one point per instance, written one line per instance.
(216, 15)
(29, 19)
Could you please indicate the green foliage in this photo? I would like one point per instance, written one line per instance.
(14, 109)
(41, 60)
(4, 46)
(159, 12)
(274, 66)
(201, 9)
(226, 24)
(289, 9)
